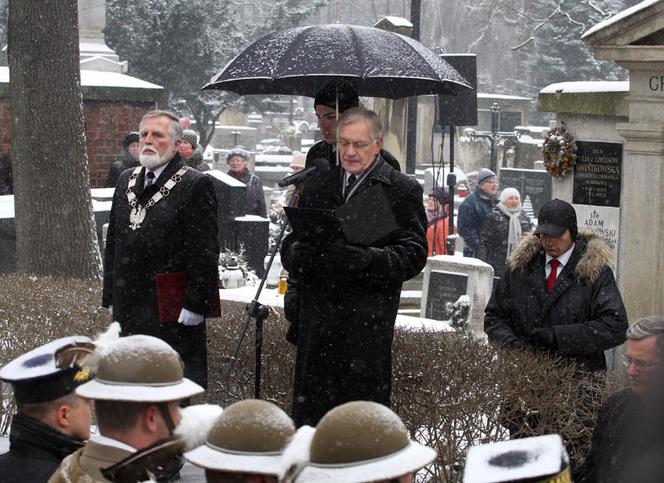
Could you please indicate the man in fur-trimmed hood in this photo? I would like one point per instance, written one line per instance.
(559, 294)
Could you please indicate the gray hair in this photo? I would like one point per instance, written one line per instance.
(355, 114)
(174, 127)
(652, 325)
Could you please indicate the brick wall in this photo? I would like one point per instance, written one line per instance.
(106, 124)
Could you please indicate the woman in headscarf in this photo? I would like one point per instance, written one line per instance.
(503, 229)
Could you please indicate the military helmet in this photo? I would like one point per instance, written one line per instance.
(363, 439)
(139, 368)
(248, 437)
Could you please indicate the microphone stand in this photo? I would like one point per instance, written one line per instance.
(258, 311)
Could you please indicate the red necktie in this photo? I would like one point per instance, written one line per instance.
(551, 279)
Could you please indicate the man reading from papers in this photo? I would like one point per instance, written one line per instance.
(348, 292)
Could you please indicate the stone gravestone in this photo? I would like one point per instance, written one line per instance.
(448, 277)
(253, 233)
(231, 203)
(533, 184)
(444, 288)
(596, 190)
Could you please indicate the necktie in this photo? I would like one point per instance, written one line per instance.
(149, 178)
(551, 279)
(349, 185)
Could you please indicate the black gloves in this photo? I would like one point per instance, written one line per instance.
(544, 338)
(300, 257)
(349, 257)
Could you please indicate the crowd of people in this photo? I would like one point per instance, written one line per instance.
(555, 293)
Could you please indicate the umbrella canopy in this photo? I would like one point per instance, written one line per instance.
(301, 60)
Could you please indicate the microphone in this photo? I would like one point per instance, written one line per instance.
(318, 165)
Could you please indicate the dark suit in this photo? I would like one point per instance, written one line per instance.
(345, 318)
(179, 234)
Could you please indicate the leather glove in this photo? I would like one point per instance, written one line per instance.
(301, 256)
(544, 337)
(351, 257)
(188, 317)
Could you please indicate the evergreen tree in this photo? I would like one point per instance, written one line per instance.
(181, 44)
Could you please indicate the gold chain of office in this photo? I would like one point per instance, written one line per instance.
(559, 152)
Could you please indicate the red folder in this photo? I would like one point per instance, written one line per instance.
(171, 289)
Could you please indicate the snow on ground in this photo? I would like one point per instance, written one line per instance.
(271, 298)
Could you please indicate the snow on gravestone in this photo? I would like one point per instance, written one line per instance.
(448, 277)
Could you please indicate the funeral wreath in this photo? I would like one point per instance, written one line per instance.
(559, 152)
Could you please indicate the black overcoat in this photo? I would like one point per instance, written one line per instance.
(584, 309)
(346, 319)
(179, 234)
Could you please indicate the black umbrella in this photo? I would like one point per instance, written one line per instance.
(301, 60)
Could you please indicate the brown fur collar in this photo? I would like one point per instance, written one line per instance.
(594, 260)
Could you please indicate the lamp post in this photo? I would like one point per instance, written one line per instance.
(493, 136)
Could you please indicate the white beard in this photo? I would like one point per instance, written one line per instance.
(152, 161)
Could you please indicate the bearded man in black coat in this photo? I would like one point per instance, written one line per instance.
(163, 228)
(348, 294)
(559, 294)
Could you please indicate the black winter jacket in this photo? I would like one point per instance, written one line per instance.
(472, 215)
(35, 451)
(493, 240)
(255, 196)
(584, 309)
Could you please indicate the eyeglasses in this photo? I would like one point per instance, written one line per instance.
(639, 364)
(357, 145)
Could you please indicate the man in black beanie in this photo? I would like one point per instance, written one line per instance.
(331, 101)
(559, 294)
(130, 160)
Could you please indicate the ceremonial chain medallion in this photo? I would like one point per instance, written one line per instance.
(138, 212)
